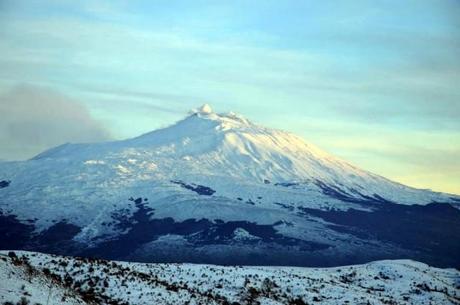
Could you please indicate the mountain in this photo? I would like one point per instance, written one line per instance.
(217, 188)
(45, 279)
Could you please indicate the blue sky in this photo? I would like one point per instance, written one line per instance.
(376, 83)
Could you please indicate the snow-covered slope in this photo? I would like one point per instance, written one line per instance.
(230, 146)
(37, 276)
(177, 186)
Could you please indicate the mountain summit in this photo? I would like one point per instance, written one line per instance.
(216, 184)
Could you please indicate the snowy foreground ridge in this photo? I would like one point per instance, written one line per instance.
(47, 279)
(218, 189)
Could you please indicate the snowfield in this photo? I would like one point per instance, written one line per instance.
(48, 279)
(217, 188)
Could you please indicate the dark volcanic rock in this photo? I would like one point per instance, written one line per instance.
(199, 189)
(4, 183)
(14, 234)
(431, 231)
(142, 229)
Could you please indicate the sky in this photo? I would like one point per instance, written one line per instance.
(374, 82)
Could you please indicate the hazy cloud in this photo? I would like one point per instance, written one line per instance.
(152, 101)
(33, 119)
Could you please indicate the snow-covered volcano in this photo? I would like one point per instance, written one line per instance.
(230, 146)
(216, 184)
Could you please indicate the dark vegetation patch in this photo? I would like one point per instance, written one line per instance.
(199, 189)
(432, 230)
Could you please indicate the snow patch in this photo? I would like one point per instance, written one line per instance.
(92, 162)
(242, 234)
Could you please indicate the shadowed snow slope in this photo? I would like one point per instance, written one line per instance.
(177, 186)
